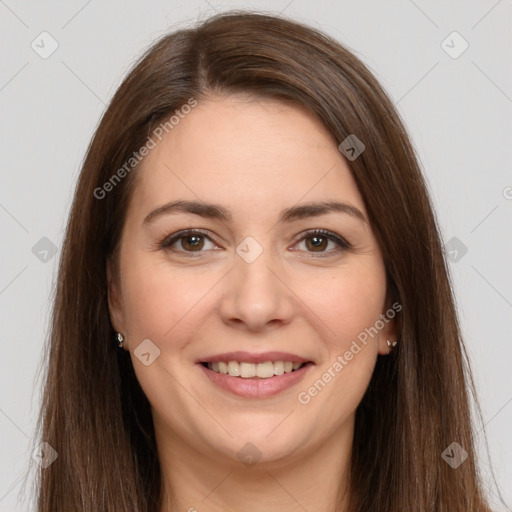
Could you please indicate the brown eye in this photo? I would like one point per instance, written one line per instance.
(192, 242)
(317, 243)
(187, 242)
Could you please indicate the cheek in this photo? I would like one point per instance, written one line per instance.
(347, 301)
(349, 307)
(158, 299)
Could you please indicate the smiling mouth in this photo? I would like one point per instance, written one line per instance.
(246, 370)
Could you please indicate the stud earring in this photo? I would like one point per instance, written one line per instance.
(391, 344)
(120, 339)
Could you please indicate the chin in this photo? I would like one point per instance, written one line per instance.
(266, 447)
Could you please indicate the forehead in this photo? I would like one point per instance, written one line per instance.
(243, 153)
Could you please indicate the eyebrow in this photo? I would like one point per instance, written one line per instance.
(218, 212)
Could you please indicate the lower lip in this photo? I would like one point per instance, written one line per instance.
(256, 387)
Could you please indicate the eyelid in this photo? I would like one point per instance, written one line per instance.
(342, 243)
(327, 234)
(174, 237)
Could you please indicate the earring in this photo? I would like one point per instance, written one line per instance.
(120, 339)
(391, 344)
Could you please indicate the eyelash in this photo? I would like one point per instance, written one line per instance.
(342, 244)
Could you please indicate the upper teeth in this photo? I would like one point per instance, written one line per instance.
(248, 370)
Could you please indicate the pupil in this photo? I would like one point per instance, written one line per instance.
(196, 241)
(317, 241)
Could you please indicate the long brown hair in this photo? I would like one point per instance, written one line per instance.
(94, 413)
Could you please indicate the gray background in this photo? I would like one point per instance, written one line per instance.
(458, 111)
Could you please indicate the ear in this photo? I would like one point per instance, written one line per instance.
(391, 330)
(115, 306)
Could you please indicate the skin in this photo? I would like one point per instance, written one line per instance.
(256, 158)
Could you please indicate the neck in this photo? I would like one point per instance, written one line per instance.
(312, 478)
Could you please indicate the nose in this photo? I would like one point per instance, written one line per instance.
(256, 295)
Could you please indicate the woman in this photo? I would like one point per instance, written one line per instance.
(253, 310)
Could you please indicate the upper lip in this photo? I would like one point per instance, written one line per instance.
(250, 357)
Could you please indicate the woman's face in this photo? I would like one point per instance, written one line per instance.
(254, 280)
